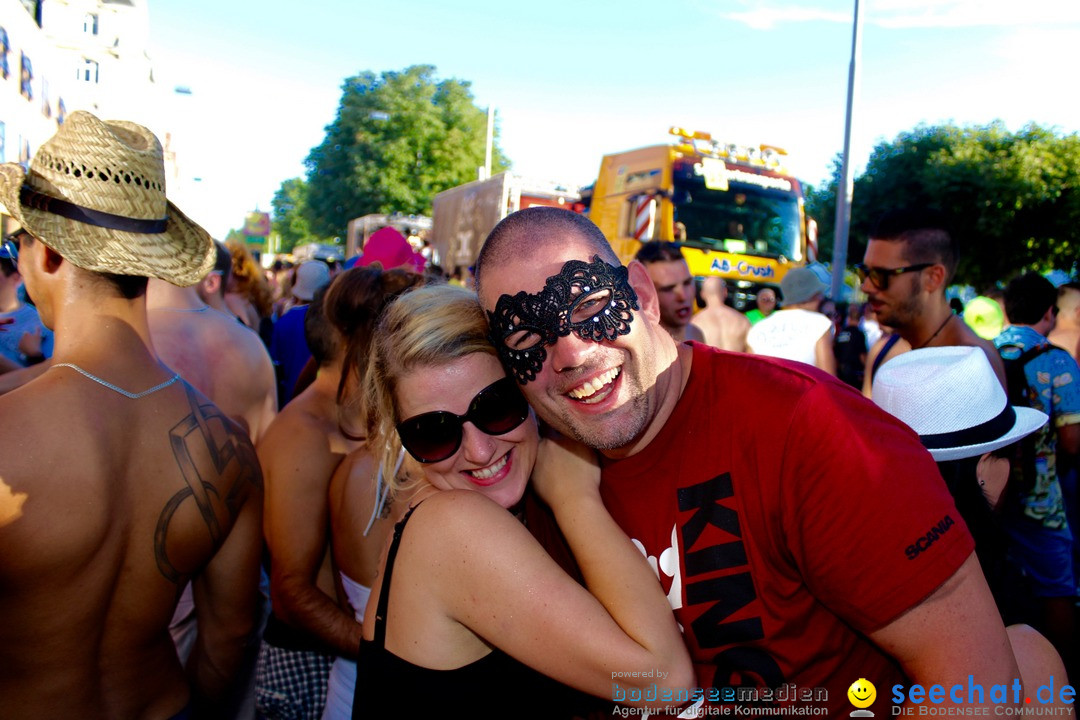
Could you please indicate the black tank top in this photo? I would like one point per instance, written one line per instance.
(495, 686)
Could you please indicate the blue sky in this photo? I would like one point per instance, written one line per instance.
(571, 82)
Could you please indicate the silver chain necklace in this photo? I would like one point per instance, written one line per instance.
(114, 388)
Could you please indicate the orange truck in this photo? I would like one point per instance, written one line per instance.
(735, 210)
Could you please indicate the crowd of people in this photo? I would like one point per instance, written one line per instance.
(571, 488)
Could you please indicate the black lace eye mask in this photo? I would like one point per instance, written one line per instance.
(592, 300)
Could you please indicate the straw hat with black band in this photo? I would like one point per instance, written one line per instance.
(95, 193)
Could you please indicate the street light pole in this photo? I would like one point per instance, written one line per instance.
(485, 172)
(845, 187)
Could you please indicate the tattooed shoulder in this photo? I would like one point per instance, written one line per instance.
(219, 467)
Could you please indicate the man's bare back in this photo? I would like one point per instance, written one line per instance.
(1066, 332)
(125, 501)
(1066, 339)
(722, 326)
(228, 363)
(119, 483)
(218, 355)
(300, 453)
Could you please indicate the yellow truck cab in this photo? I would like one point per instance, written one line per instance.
(735, 210)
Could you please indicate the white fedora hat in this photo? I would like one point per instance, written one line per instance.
(951, 397)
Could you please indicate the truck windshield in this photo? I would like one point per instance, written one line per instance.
(743, 219)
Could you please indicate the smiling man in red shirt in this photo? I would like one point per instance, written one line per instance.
(784, 557)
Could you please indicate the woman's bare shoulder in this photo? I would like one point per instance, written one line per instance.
(462, 522)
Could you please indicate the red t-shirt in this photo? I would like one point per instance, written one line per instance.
(786, 516)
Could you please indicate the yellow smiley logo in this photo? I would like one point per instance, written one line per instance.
(862, 693)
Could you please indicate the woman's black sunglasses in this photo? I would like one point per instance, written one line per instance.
(434, 436)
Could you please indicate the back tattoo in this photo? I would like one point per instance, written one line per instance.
(218, 463)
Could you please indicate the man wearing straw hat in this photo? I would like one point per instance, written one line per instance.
(119, 483)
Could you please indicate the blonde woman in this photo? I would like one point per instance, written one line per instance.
(469, 613)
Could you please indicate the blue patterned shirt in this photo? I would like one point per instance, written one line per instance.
(1053, 388)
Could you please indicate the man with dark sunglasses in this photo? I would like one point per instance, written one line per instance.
(119, 482)
(24, 341)
(909, 261)
(786, 559)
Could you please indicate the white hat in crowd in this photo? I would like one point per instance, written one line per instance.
(310, 276)
(953, 399)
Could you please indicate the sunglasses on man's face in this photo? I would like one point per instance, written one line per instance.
(10, 250)
(434, 436)
(879, 277)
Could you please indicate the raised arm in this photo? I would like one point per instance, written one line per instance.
(616, 573)
(295, 524)
(494, 578)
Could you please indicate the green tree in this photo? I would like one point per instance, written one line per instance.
(290, 215)
(397, 140)
(1011, 197)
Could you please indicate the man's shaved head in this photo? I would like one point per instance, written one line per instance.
(1069, 297)
(529, 231)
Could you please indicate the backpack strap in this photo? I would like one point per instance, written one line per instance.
(1023, 473)
(1017, 385)
(880, 358)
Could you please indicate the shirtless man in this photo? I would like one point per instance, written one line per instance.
(14, 371)
(909, 261)
(300, 452)
(218, 355)
(211, 288)
(722, 326)
(228, 363)
(305, 444)
(119, 482)
(1066, 333)
(674, 286)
